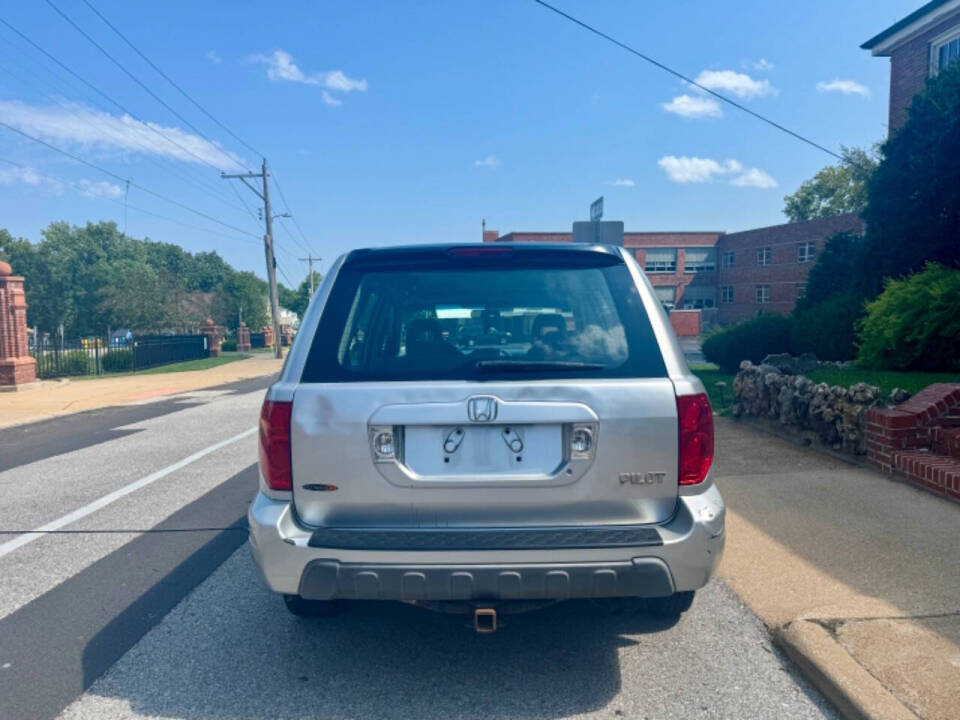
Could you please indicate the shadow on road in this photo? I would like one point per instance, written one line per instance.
(244, 656)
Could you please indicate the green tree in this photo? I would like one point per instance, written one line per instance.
(298, 300)
(241, 292)
(836, 189)
(141, 298)
(913, 209)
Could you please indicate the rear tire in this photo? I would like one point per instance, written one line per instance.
(672, 606)
(300, 607)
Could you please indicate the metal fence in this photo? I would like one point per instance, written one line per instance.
(95, 356)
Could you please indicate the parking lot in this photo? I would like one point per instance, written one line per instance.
(169, 617)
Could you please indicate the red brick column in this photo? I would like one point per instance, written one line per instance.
(214, 337)
(243, 338)
(16, 365)
(267, 336)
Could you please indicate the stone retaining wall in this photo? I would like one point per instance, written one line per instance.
(832, 415)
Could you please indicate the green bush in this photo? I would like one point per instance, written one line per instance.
(827, 329)
(914, 324)
(750, 340)
(76, 362)
(117, 361)
(228, 346)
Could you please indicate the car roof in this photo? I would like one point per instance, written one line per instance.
(484, 253)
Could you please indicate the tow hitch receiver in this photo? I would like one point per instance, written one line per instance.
(485, 620)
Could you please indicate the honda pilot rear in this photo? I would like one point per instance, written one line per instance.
(472, 425)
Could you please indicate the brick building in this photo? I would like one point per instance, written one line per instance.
(731, 275)
(918, 46)
(766, 269)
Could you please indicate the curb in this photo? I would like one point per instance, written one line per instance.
(856, 693)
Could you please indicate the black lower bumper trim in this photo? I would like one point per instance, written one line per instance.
(557, 538)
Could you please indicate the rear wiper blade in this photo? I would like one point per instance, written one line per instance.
(524, 365)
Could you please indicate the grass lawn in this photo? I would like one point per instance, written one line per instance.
(201, 364)
(710, 375)
(886, 380)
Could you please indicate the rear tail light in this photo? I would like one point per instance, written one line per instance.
(275, 444)
(695, 419)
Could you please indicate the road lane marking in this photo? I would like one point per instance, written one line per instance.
(28, 537)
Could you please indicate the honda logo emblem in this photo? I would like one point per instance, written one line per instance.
(482, 408)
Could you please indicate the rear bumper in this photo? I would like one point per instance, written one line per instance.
(682, 557)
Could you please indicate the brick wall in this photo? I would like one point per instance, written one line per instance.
(686, 323)
(910, 66)
(919, 440)
(785, 275)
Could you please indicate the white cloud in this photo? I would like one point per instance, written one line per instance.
(79, 125)
(30, 177)
(739, 84)
(754, 177)
(100, 189)
(622, 182)
(213, 57)
(762, 65)
(490, 161)
(693, 107)
(282, 68)
(847, 87)
(21, 176)
(695, 169)
(700, 170)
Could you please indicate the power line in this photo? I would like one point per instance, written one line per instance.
(170, 80)
(293, 216)
(149, 152)
(108, 98)
(123, 179)
(291, 235)
(693, 82)
(82, 189)
(233, 160)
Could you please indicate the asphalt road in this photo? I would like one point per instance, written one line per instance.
(145, 603)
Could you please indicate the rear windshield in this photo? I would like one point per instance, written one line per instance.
(495, 322)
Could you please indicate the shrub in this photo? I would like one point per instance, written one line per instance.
(228, 346)
(76, 362)
(827, 329)
(117, 361)
(750, 340)
(914, 324)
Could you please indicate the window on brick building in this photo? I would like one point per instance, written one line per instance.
(801, 290)
(661, 260)
(726, 294)
(666, 294)
(763, 294)
(944, 51)
(700, 260)
(805, 252)
(728, 259)
(698, 297)
(764, 256)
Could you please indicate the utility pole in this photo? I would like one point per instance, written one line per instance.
(310, 259)
(267, 246)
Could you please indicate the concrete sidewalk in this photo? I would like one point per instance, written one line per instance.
(857, 576)
(50, 399)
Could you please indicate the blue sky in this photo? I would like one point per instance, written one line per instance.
(406, 122)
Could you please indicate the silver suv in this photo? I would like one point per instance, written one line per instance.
(463, 426)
